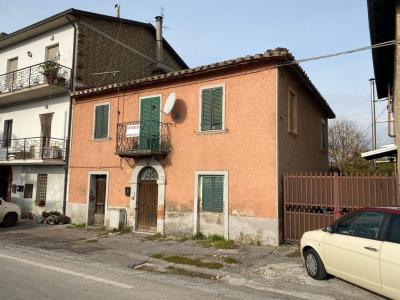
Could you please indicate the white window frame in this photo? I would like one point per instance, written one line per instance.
(94, 122)
(324, 135)
(293, 131)
(197, 193)
(90, 173)
(223, 129)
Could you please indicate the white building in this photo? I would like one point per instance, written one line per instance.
(39, 66)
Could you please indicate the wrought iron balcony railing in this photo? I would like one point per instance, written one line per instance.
(35, 75)
(143, 138)
(35, 148)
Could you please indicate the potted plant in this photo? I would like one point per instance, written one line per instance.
(50, 71)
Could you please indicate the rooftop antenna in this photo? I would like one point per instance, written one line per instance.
(117, 10)
(113, 73)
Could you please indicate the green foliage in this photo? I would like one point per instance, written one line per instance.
(230, 260)
(198, 236)
(183, 260)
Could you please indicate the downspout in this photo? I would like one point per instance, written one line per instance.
(68, 140)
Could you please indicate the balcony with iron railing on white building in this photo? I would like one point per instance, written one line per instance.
(33, 150)
(34, 81)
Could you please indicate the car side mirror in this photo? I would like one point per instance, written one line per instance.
(329, 229)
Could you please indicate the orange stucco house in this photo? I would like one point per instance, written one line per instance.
(213, 164)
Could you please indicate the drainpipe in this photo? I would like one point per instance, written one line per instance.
(72, 88)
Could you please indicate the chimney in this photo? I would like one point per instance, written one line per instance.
(159, 45)
(117, 10)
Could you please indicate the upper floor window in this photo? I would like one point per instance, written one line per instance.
(292, 112)
(7, 133)
(12, 65)
(212, 109)
(52, 53)
(101, 121)
(324, 135)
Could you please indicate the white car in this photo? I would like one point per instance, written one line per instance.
(10, 213)
(362, 247)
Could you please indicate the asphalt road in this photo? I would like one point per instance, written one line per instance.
(32, 274)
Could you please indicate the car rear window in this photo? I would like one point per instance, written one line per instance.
(364, 225)
(394, 230)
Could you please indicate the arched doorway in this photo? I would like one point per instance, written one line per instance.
(147, 199)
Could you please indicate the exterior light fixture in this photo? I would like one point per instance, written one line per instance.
(29, 53)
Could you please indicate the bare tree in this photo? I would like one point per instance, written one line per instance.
(346, 142)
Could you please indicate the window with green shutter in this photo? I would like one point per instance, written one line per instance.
(212, 193)
(211, 109)
(101, 121)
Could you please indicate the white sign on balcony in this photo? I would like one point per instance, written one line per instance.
(132, 130)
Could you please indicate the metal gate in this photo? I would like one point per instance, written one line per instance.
(315, 200)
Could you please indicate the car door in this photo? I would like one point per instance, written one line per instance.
(390, 259)
(352, 251)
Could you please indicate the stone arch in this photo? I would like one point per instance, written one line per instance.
(149, 162)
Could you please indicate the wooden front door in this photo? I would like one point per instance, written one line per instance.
(149, 124)
(97, 199)
(147, 200)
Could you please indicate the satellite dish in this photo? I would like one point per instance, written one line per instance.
(169, 104)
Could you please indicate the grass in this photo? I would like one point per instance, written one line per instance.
(157, 255)
(80, 239)
(183, 260)
(214, 240)
(183, 239)
(157, 236)
(230, 260)
(92, 241)
(198, 236)
(183, 272)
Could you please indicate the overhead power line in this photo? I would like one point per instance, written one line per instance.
(375, 46)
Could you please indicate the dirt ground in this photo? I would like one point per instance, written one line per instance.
(253, 266)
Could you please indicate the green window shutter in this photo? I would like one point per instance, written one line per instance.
(104, 125)
(101, 122)
(219, 194)
(206, 110)
(207, 193)
(217, 108)
(213, 194)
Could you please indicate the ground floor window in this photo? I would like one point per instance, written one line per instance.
(212, 193)
(41, 190)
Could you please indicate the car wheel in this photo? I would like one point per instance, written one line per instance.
(314, 265)
(10, 219)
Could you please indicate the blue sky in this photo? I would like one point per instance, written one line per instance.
(208, 30)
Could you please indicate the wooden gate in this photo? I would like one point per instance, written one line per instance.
(147, 200)
(315, 200)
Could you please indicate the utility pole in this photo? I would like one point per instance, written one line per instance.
(373, 114)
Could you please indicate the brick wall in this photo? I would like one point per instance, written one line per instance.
(98, 52)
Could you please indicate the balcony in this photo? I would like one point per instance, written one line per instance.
(143, 138)
(32, 82)
(36, 150)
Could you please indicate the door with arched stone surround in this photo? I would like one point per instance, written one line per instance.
(147, 200)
